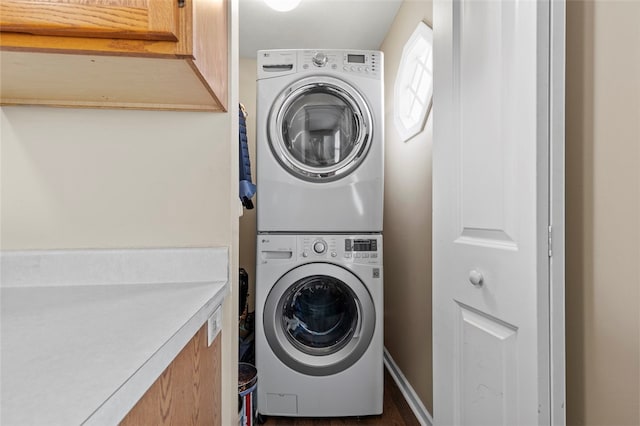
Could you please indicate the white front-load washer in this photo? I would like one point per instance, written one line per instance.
(319, 329)
(320, 133)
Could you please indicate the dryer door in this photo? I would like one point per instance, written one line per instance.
(319, 319)
(320, 129)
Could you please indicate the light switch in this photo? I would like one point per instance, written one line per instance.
(214, 324)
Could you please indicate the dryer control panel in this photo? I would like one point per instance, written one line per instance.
(365, 63)
(361, 62)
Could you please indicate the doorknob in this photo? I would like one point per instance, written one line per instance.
(476, 278)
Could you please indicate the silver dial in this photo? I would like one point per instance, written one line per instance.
(319, 59)
(319, 246)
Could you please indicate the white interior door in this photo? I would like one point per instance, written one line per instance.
(491, 275)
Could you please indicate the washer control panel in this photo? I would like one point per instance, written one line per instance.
(358, 249)
(283, 248)
(361, 248)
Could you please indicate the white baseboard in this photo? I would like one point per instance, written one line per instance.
(410, 395)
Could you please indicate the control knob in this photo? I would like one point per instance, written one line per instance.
(319, 59)
(319, 247)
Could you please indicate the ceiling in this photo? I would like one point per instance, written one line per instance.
(314, 24)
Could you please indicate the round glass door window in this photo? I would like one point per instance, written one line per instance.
(319, 319)
(321, 131)
(319, 315)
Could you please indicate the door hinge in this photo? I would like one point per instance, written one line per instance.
(550, 240)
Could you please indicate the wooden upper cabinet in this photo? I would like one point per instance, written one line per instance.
(140, 54)
(129, 19)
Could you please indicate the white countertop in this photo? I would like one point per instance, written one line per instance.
(86, 353)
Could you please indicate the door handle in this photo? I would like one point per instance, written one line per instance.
(476, 278)
(356, 333)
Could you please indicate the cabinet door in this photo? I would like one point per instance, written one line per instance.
(120, 19)
(188, 392)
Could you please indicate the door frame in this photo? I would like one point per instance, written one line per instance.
(557, 211)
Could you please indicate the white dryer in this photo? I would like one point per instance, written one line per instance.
(320, 133)
(319, 325)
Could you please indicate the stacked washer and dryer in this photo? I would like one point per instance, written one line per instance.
(319, 281)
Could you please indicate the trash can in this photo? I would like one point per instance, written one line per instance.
(247, 384)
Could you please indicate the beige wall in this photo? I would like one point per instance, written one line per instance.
(107, 178)
(248, 76)
(603, 213)
(407, 223)
(83, 178)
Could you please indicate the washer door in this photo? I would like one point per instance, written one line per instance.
(319, 319)
(320, 129)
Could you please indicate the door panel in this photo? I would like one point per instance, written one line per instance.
(491, 212)
(488, 142)
(319, 314)
(320, 129)
(488, 163)
(298, 307)
(488, 370)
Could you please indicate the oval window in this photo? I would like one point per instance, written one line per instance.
(414, 83)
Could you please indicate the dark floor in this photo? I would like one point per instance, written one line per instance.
(396, 413)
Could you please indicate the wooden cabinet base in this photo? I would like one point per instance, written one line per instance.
(98, 81)
(188, 392)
